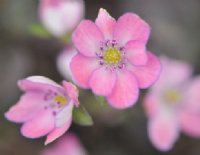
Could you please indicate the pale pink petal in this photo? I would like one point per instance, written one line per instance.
(65, 14)
(189, 112)
(189, 120)
(106, 23)
(37, 83)
(87, 38)
(64, 115)
(27, 107)
(131, 27)
(151, 105)
(102, 81)
(63, 62)
(29, 86)
(72, 92)
(125, 92)
(149, 73)
(68, 144)
(42, 79)
(180, 70)
(82, 68)
(50, 2)
(71, 145)
(163, 131)
(57, 132)
(40, 125)
(136, 53)
(191, 94)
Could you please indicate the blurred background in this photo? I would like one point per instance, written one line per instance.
(175, 32)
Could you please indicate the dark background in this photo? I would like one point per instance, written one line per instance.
(175, 32)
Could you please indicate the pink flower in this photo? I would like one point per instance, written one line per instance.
(45, 108)
(112, 58)
(63, 61)
(61, 16)
(66, 145)
(172, 105)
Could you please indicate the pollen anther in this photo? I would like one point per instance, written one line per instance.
(61, 100)
(112, 56)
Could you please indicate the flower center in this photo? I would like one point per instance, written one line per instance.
(112, 56)
(61, 100)
(172, 96)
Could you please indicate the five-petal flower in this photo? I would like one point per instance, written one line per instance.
(172, 104)
(112, 58)
(45, 108)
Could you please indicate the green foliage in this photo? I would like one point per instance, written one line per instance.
(39, 31)
(82, 117)
(101, 100)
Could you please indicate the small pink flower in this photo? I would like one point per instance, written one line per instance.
(112, 58)
(66, 145)
(45, 108)
(172, 104)
(63, 61)
(61, 16)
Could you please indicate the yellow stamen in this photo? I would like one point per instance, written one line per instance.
(173, 96)
(112, 56)
(61, 100)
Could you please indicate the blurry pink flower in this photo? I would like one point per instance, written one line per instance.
(66, 145)
(112, 58)
(45, 108)
(172, 104)
(63, 61)
(61, 16)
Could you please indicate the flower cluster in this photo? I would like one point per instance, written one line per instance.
(109, 57)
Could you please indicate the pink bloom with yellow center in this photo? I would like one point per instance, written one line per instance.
(45, 108)
(112, 58)
(67, 145)
(172, 104)
(61, 16)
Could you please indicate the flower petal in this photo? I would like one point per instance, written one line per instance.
(136, 52)
(190, 122)
(57, 132)
(125, 92)
(42, 79)
(191, 94)
(180, 70)
(63, 62)
(39, 126)
(151, 105)
(37, 83)
(82, 68)
(63, 115)
(26, 108)
(131, 27)
(106, 23)
(68, 144)
(149, 73)
(163, 131)
(87, 38)
(72, 92)
(102, 81)
(65, 14)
